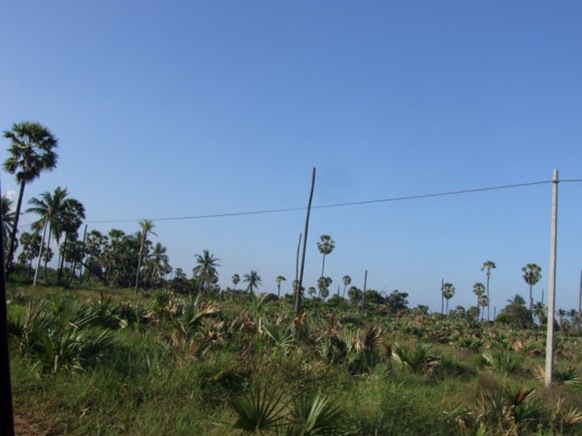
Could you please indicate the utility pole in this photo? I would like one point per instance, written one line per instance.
(300, 286)
(552, 285)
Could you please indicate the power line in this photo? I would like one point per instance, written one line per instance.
(325, 206)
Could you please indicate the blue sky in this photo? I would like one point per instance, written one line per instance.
(172, 109)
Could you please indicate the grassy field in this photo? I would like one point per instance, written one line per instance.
(105, 361)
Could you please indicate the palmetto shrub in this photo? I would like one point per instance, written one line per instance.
(263, 411)
(419, 358)
(568, 376)
(59, 336)
(502, 361)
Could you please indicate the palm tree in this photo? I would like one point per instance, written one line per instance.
(448, 293)
(205, 270)
(30, 243)
(347, 282)
(50, 208)
(159, 262)
(487, 267)
(31, 152)
(7, 220)
(478, 290)
(483, 302)
(532, 274)
(235, 280)
(72, 217)
(325, 247)
(279, 279)
(253, 279)
(146, 229)
(539, 310)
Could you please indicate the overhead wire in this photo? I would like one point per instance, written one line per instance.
(332, 205)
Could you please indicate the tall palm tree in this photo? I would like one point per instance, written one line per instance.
(478, 290)
(235, 280)
(253, 279)
(279, 279)
(448, 293)
(31, 152)
(488, 265)
(325, 247)
(205, 270)
(8, 217)
(347, 282)
(50, 208)
(532, 274)
(146, 228)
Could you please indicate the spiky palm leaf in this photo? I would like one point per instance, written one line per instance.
(260, 412)
(317, 416)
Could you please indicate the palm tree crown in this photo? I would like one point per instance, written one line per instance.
(57, 214)
(532, 274)
(279, 279)
(31, 152)
(448, 293)
(205, 270)
(253, 279)
(325, 247)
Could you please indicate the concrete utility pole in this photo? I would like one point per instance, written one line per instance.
(552, 285)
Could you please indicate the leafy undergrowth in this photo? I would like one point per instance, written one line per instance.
(87, 363)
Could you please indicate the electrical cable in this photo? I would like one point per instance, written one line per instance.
(325, 206)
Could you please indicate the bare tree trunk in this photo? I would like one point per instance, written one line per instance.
(300, 285)
(10, 257)
(40, 254)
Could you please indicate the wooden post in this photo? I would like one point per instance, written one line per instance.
(552, 285)
(364, 292)
(300, 286)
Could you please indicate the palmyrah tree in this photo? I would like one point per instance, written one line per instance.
(532, 274)
(30, 244)
(279, 279)
(51, 208)
(7, 220)
(235, 280)
(448, 293)
(253, 279)
(323, 284)
(205, 270)
(488, 265)
(478, 290)
(483, 302)
(146, 228)
(325, 247)
(72, 217)
(347, 282)
(31, 151)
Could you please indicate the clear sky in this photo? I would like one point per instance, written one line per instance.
(187, 108)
